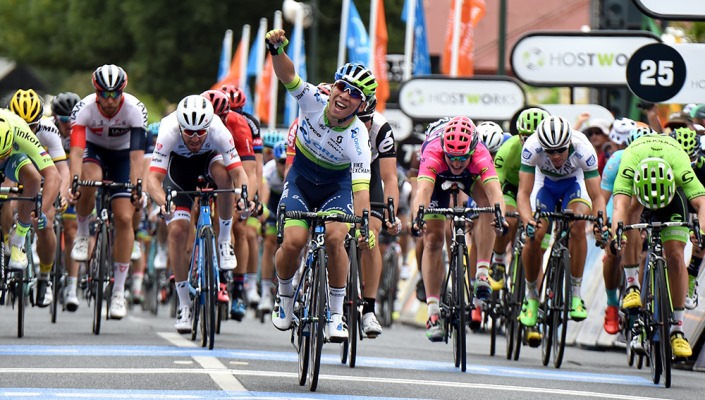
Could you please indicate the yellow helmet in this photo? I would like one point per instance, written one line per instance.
(28, 105)
(6, 136)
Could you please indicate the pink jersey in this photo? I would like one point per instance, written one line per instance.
(434, 165)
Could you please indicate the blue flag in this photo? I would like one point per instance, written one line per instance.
(252, 68)
(358, 41)
(291, 108)
(225, 52)
(421, 57)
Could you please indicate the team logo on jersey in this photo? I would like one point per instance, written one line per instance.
(526, 154)
(590, 161)
(159, 146)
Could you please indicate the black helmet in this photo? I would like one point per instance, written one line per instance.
(63, 103)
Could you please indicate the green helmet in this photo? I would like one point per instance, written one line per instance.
(688, 139)
(359, 76)
(654, 185)
(636, 133)
(529, 120)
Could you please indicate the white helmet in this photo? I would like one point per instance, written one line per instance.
(554, 132)
(194, 113)
(621, 129)
(491, 135)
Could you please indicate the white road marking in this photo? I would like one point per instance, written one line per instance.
(183, 362)
(227, 381)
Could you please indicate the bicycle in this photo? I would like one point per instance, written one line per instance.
(311, 303)
(554, 310)
(203, 271)
(388, 284)
(456, 306)
(653, 322)
(58, 272)
(101, 260)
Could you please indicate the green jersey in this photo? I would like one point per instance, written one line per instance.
(663, 147)
(508, 160)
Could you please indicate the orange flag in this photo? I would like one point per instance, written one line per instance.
(472, 12)
(233, 76)
(263, 91)
(380, 67)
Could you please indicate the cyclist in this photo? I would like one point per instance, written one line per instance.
(107, 141)
(191, 143)
(24, 160)
(563, 164)
(491, 135)
(611, 271)
(332, 162)
(452, 152)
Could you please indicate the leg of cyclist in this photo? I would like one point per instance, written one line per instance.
(371, 263)
(499, 251)
(179, 228)
(286, 261)
(404, 243)
(123, 210)
(138, 264)
(433, 272)
(696, 260)
(418, 252)
(338, 269)
(678, 283)
(268, 249)
(578, 250)
(72, 266)
(611, 273)
(252, 229)
(23, 172)
(484, 240)
(242, 255)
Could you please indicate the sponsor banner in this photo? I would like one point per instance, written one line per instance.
(693, 89)
(483, 98)
(576, 58)
(571, 112)
(400, 123)
(685, 10)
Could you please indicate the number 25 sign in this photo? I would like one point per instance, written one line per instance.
(656, 72)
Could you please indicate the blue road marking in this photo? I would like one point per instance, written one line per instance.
(373, 362)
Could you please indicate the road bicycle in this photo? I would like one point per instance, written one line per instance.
(311, 302)
(58, 272)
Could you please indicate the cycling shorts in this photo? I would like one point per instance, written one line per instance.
(11, 166)
(114, 163)
(568, 191)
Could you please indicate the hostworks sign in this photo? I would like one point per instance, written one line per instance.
(482, 98)
(576, 58)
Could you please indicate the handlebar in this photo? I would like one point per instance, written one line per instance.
(322, 216)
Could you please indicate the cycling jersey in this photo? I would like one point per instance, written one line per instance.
(90, 125)
(609, 173)
(26, 142)
(660, 146)
(169, 142)
(253, 123)
(274, 180)
(582, 159)
(434, 166)
(507, 161)
(49, 137)
(237, 125)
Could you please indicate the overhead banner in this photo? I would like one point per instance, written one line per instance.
(683, 10)
(693, 90)
(576, 58)
(485, 98)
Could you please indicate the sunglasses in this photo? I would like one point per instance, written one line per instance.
(556, 151)
(63, 118)
(110, 95)
(189, 133)
(458, 158)
(354, 92)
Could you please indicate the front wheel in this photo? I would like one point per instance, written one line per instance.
(320, 318)
(459, 320)
(562, 305)
(210, 290)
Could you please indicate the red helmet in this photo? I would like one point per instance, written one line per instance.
(221, 104)
(459, 137)
(235, 95)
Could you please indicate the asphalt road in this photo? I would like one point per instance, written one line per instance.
(142, 357)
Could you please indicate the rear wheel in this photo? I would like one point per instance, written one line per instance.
(98, 276)
(562, 303)
(353, 302)
(663, 324)
(459, 320)
(547, 310)
(20, 288)
(650, 324)
(514, 327)
(57, 272)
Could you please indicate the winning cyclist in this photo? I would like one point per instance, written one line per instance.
(332, 162)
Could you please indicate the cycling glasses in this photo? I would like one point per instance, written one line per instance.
(458, 158)
(189, 133)
(556, 151)
(63, 118)
(110, 95)
(353, 91)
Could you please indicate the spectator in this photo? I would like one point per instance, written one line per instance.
(597, 132)
(677, 120)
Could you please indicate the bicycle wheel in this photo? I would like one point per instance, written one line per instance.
(514, 327)
(57, 272)
(458, 312)
(210, 290)
(547, 310)
(353, 301)
(20, 296)
(303, 326)
(388, 287)
(318, 308)
(98, 276)
(650, 324)
(561, 306)
(663, 320)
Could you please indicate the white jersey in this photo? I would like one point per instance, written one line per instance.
(108, 132)
(581, 162)
(169, 142)
(50, 139)
(271, 175)
(381, 137)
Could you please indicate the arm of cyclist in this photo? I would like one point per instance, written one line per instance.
(699, 205)
(592, 185)
(78, 145)
(526, 185)
(282, 64)
(26, 142)
(388, 170)
(422, 197)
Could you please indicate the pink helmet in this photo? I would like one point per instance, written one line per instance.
(459, 137)
(221, 105)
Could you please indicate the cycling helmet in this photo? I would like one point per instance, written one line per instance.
(28, 105)
(369, 111)
(219, 100)
(153, 128)
(688, 139)
(654, 184)
(62, 104)
(279, 150)
(359, 76)
(6, 137)
(270, 138)
(491, 135)
(554, 133)
(621, 128)
(194, 113)
(698, 112)
(109, 78)
(636, 133)
(324, 88)
(529, 120)
(235, 95)
(459, 138)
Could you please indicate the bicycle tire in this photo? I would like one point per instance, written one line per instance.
(195, 283)
(459, 320)
(663, 303)
(353, 303)
(318, 307)
(546, 311)
(562, 302)
(57, 273)
(20, 293)
(493, 314)
(514, 340)
(210, 290)
(303, 315)
(98, 277)
(654, 353)
(388, 287)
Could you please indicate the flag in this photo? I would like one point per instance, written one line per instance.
(421, 57)
(263, 91)
(291, 107)
(252, 69)
(472, 12)
(233, 76)
(380, 67)
(358, 41)
(225, 53)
